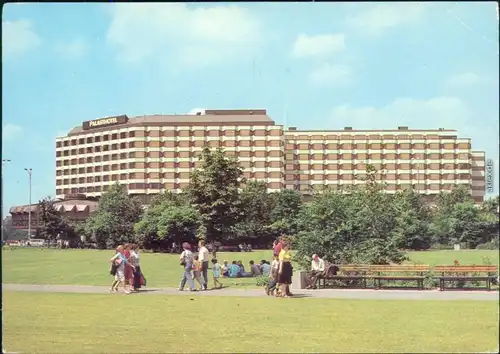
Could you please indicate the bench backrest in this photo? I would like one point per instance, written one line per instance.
(354, 268)
(466, 269)
(397, 268)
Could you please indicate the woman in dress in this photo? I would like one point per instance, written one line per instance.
(285, 270)
(135, 261)
(129, 271)
(186, 260)
(119, 261)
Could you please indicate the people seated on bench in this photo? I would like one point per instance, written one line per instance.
(317, 269)
(265, 268)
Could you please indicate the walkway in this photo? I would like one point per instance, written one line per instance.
(353, 294)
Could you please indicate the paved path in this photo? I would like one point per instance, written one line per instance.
(365, 294)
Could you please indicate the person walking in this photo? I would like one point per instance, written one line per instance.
(186, 261)
(118, 262)
(135, 261)
(285, 270)
(204, 256)
(197, 272)
(216, 272)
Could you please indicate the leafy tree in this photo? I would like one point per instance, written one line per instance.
(286, 208)
(113, 221)
(412, 221)
(213, 192)
(256, 206)
(354, 227)
(167, 221)
(52, 222)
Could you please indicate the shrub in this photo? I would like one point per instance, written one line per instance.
(492, 245)
(262, 281)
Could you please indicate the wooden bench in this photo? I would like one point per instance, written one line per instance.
(403, 272)
(450, 273)
(346, 272)
(377, 273)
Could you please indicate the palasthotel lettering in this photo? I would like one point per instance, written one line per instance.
(105, 121)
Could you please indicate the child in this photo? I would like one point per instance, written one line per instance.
(273, 276)
(197, 272)
(216, 270)
(225, 269)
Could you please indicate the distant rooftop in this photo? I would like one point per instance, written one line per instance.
(197, 117)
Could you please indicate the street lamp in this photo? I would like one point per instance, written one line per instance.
(29, 170)
(4, 161)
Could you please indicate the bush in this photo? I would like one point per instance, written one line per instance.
(439, 247)
(262, 281)
(492, 245)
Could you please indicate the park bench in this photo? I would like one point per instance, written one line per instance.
(377, 273)
(454, 273)
(403, 272)
(346, 272)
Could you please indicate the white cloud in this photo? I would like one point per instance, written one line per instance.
(72, 50)
(317, 46)
(11, 132)
(384, 16)
(18, 37)
(440, 112)
(194, 37)
(328, 74)
(466, 80)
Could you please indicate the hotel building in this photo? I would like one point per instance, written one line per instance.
(150, 154)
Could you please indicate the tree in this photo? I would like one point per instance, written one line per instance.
(113, 221)
(255, 214)
(52, 222)
(412, 221)
(167, 220)
(213, 192)
(358, 226)
(286, 208)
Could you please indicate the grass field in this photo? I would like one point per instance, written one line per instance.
(76, 323)
(91, 267)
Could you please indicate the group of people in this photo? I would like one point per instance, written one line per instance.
(125, 266)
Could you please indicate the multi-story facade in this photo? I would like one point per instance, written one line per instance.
(430, 161)
(150, 154)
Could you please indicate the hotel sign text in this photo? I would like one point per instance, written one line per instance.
(104, 122)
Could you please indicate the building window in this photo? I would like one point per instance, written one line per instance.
(114, 136)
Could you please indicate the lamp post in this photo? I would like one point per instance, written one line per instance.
(4, 161)
(29, 170)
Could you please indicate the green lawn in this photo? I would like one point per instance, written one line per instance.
(91, 267)
(76, 323)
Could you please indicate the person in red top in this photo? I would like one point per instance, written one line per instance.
(278, 246)
(129, 271)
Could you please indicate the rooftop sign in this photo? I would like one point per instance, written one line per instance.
(104, 122)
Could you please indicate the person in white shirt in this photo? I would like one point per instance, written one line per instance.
(203, 255)
(317, 269)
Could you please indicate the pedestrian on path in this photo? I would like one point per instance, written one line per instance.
(186, 261)
(118, 262)
(285, 271)
(204, 256)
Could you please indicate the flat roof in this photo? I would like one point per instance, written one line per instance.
(210, 117)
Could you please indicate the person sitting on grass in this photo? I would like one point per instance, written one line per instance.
(255, 269)
(265, 268)
(242, 267)
(234, 270)
(216, 272)
(225, 269)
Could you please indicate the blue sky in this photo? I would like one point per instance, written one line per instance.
(311, 65)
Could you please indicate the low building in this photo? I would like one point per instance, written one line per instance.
(75, 208)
